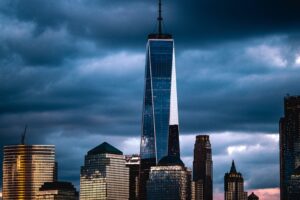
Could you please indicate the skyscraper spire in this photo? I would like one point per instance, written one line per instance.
(159, 18)
(23, 135)
(233, 168)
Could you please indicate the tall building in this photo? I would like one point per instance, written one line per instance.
(252, 196)
(169, 180)
(133, 163)
(160, 109)
(234, 185)
(293, 186)
(57, 191)
(289, 130)
(25, 169)
(202, 169)
(104, 174)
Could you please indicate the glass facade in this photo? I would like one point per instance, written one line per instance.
(169, 183)
(25, 169)
(289, 129)
(160, 109)
(104, 174)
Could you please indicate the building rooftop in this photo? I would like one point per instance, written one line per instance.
(105, 148)
(57, 186)
(170, 161)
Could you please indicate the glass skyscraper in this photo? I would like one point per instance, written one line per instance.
(160, 109)
(25, 169)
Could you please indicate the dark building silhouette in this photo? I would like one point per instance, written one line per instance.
(169, 180)
(234, 185)
(160, 109)
(133, 163)
(173, 145)
(202, 169)
(252, 196)
(289, 129)
(57, 191)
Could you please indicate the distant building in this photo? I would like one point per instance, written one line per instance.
(252, 196)
(104, 174)
(202, 169)
(234, 185)
(57, 191)
(169, 180)
(289, 129)
(133, 163)
(26, 168)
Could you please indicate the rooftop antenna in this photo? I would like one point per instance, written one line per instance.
(159, 18)
(23, 135)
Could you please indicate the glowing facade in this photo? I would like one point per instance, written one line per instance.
(25, 169)
(104, 174)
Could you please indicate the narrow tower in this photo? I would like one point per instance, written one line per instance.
(289, 130)
(160, 109)
(202, 169)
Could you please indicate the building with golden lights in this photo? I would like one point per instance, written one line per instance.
(104, 174)
(25, 169)
(57, 191)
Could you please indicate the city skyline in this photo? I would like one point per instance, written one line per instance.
(84, 85)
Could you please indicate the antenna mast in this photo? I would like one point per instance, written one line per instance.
(23, 136)
(159, 18)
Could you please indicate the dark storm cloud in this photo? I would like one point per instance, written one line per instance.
(73, 71)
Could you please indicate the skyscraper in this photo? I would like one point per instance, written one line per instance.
(289, 129)
(160, 109)
(57, 191)
(202, 169)
(234, 185)
(133, 163)
(104, 174)
(169, 180)
(25, 169)
(293, 188)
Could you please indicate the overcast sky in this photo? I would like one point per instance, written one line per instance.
(73, 70)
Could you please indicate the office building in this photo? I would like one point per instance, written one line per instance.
(289, 129)
(169, 180)
(133, 163)
(104, 174)
(57, 191)
(160, 109)
(293, 186)
(252, 196)
(25, 169)
(234, 185)
(202, 169)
